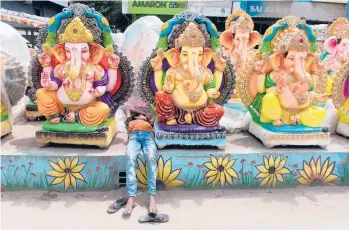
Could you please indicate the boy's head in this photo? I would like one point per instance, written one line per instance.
(141, 117)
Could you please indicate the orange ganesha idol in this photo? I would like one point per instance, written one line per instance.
(79, 78)
(186, 80)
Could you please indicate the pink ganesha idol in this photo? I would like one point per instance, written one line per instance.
(82, 80)
(336, 49)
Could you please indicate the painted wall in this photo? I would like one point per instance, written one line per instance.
(199, 171)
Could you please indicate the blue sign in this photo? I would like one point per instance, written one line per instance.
(253, 8)
(347, 14)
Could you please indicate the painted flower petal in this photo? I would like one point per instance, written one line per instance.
(78, 168)
(167, 169)
(58, 180)
(329, 170)
(277, 161)
(266, 162)
(214, 161)
(176, 183)
(210, 179)
(330, 178)
(74, 162)
(301, 180)
(220, 160)
(282, 164)
(222, 179)
(67, 162)
(228, 177)
(283, 171)
(262, 169)
(160, 168)
(67, 181)
(78, 176)
(324, 168)
(140, 177)
(279, 177)
(274, 180)
(232, 173)
(271, 161)
(173, 176)
(60, 163)
(262, 175)
(313, 167)
(225, 160)
(304, 175)
(55, 174)
(318, 167)
(307, 170)
(265, 181)
(230, 164)
(216, 180)
(209, 166)
(55, 166)
(73, 181)
(142, 167)
(142, 186)
(271, 181)
(211, 173)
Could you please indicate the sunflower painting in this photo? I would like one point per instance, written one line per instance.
(66, 171)
(272, 171)
(165, 176)
(316, 173)
(220, 171)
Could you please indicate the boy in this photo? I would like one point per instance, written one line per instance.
(141, 137)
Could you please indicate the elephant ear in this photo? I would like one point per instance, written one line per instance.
(207, 56)
(255, 39)
(226, 39)
(173, 57)
(310, 60)
(277, 61)
(330, 45)
(97, 53)
(59, 53)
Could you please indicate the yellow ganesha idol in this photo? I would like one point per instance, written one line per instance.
(282, 86)
(186, 81)
(340, 96)
(79, 79)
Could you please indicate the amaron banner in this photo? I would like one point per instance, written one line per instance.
(165, 7)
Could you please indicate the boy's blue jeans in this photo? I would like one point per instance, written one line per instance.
(141, 140)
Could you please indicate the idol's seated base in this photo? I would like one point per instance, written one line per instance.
(189, 135)
(32, 112)
(285, 135)
(343, 129)
(78, 134)
(5, 127)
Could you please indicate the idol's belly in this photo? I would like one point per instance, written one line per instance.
(289, 101)
(84, 99)
(182, 100)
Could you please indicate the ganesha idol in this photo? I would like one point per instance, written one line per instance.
(80, 79)
(282, 85)
(239, 39)
(186, 80)
(336, 49)
(340, 97)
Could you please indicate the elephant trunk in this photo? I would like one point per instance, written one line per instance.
(194, 67)
(299, 70)
(75, 64)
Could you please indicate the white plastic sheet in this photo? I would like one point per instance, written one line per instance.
(140, 39)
